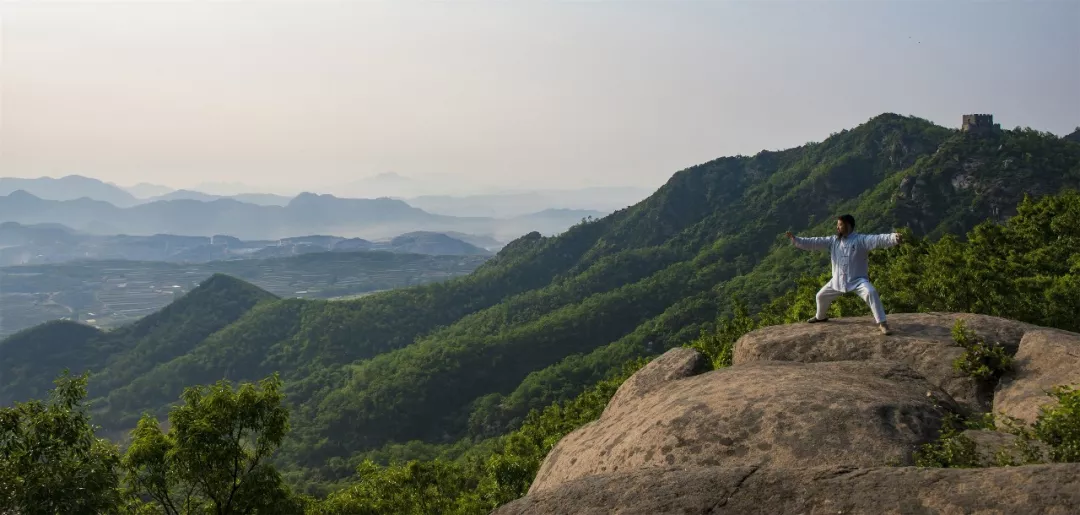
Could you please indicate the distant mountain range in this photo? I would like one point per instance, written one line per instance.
(503, 204)
(54, 243)
(260, 199)
(71, 187)
(97, 207)
(386, 184)
(142, 190)
(307, 213)
(494, 205)
(500, 205)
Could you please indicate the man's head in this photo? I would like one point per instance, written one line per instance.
(845, 225)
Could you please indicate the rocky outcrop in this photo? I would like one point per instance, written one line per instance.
(1045, 359)
(923, 341)
(675, 364)
(768, 413)
(814, 418)
(1035, 489)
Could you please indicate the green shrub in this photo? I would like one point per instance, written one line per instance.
(1053, 438)
(472, 484)
(719, 345)
(952, 449)
(983, 361)
(1059, 426)
(1055, 435)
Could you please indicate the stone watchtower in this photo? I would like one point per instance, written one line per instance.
(978, 123)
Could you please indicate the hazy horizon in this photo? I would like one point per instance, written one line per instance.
(467, 98)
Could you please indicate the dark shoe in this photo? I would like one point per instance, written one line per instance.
(815, 320)
(884, 327)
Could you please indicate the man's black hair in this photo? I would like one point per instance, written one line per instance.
(849, 220)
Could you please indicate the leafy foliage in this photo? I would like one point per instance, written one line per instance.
(952, 449)
(473, 484)
(1026, 268)
(1059, 426)
(1053, 438)
(719, 345)
(414, 488)
(50, 460)
(985, 362)
(215, 456)
(1055, 435)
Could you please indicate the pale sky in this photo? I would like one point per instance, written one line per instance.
(296, 95)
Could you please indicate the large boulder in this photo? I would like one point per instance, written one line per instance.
(1046, 359)
(1035, 489)
(921, 340)
(815, 418)
(768, 413)
(674, 364)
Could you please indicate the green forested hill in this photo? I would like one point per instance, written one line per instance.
(547, 317)
(34, 357)
(1025, 269)
(1073, 136)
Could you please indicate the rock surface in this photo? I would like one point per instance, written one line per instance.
(775, 413)
(674, 364)
(1041, 489)
(989, 443)
(1046, 359)
(921, 340)
(815, 418)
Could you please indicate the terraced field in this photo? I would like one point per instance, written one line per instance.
(110, 293)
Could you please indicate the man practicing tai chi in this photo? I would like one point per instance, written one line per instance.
(849, 251)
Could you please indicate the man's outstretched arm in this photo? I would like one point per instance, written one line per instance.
(817, 243)
(882, 241)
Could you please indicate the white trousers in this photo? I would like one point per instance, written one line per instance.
(826, 295)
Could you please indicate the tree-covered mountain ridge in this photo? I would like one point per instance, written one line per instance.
(548, 316)
(212, 457)
(116, 357)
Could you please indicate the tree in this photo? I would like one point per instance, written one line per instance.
(413, 488)
(50, 460)
(215, 456)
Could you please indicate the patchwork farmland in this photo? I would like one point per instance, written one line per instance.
(107, 294)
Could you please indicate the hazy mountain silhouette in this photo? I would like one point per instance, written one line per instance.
(185, 195)
(226, 189)
(145, 190)
(435, 243)
(71, 187)
(510, 204)
(261, 199)
(54, 243)
(590, 201)
(388, 184)
(15, 234)
(308, 213)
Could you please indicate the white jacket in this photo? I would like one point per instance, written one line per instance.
(850, 255)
